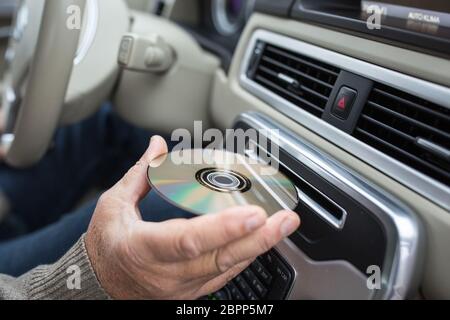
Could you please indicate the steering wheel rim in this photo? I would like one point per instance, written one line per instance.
(33, 119)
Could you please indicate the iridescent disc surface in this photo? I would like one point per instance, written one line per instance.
(209, 181)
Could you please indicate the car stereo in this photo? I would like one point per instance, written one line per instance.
(351, 229)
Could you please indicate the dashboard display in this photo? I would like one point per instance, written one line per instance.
(422, 25)
(431, 5)
(429, 15)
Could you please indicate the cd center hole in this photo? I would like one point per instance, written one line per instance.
(223, 180)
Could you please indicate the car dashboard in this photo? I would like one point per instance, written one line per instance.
(364, 122)
(358, 93)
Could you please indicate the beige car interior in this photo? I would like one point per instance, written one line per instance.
(411, 208)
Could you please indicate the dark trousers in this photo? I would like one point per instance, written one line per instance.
(44, 221)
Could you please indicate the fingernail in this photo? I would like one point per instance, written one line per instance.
(254, 222)
(288, 227)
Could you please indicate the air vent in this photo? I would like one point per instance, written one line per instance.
(409, 129)
(301, 80)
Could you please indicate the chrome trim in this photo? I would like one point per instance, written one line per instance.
(405, 235)
(313, 205)
(434, 148)
(323, 213)
(221, 21)
(287, 79)
(411, 178)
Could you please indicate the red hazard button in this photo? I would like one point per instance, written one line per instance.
(344, 103)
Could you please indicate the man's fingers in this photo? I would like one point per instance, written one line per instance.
(246, 248)
(134, 185)
(277, 228)
(212, 245)
(182, 240)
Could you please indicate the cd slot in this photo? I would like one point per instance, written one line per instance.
(321, 205)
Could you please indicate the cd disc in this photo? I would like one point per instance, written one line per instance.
(209, 181)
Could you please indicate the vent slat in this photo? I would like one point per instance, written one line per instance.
(297, 72)
(406, 118)
(301, 80)
(302, 87)
(391, 129)
(426, 165)
(303, 61)
(317, 94)
(412, 104)
(393, 121)
(278, 88)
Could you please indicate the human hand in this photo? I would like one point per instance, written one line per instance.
(177, 259)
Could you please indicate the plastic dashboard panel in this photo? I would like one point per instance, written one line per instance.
(390, 232)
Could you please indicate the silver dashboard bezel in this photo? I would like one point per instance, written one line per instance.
(422, 184)
(404, 231)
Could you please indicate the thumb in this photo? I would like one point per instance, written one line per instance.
(134, 185)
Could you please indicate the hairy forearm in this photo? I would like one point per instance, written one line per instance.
(72, 277)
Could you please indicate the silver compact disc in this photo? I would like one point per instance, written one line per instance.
(209, 181)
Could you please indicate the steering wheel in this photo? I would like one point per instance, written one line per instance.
(39, 59)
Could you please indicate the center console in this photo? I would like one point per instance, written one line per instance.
(350, 228)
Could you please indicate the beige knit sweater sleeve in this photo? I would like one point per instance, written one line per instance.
(72, 277)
